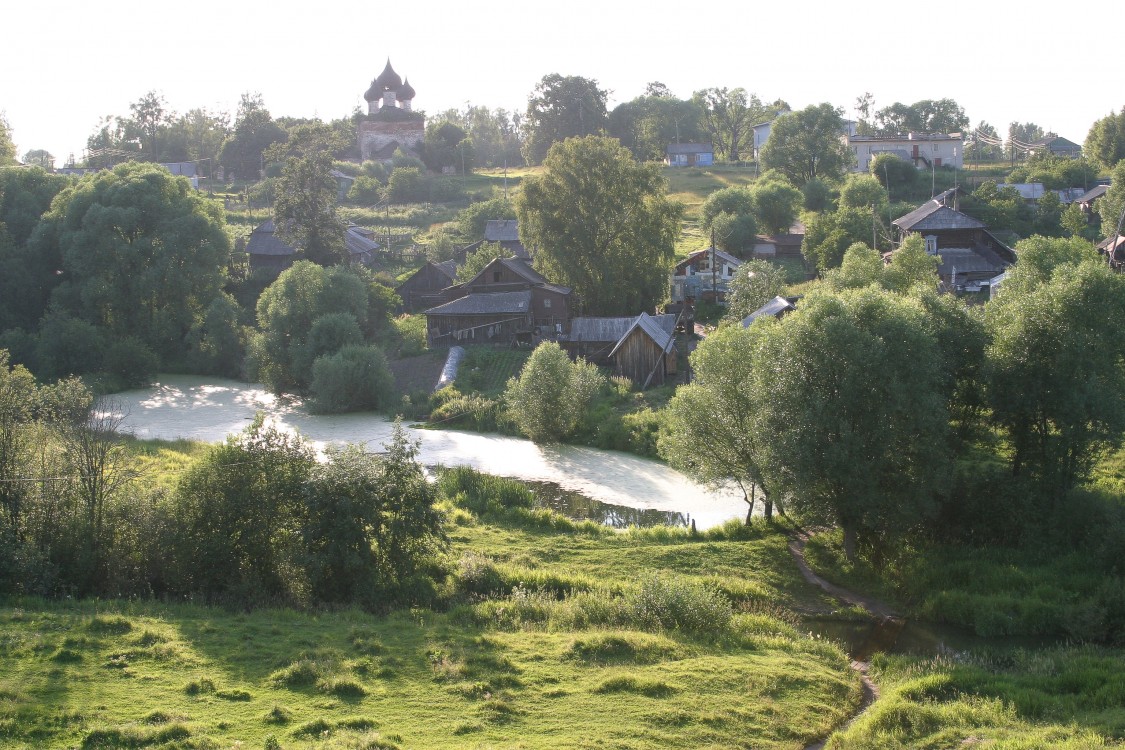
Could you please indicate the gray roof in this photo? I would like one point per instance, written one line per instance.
(933, 215)
(263, 241)
(448, 267)
(647, 323)
(690, 148)
(357, 243)
(1029, 191)
(1092, 194)
(773, 308)
(721, 255)
(501, 230)
(486, 304)
(612, 329)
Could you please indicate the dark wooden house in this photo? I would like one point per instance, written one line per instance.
(646, 353)
(267, 250)
(970, 254)
(493, 297)
(503, 232)
(424, 287)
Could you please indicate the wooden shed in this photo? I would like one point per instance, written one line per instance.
(646, 353)
(424, 287)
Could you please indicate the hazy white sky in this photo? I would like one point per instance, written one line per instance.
(64, 63)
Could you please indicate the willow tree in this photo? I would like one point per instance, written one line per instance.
(599, 222)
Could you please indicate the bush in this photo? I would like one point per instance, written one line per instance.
(550, 397)
(678, 604)
(356, 378)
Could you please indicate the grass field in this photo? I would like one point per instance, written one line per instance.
(574, 637)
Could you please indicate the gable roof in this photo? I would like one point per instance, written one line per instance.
(357, 243)
(727, 258)
(448, 267)
(493, 303)
(1092, 194)
(933, 215)
(773, 308)
(263, 241)
(613, 329)
(649, 327)
(501, 230)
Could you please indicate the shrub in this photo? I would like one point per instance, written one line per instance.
(356, 378)
(550, 397)
(677, 604)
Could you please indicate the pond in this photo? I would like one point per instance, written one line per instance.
(623, 487)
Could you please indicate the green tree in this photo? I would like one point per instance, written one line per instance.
(729, 116)
(240, 509)
(353, 378)
(863, 191)
(142, 254)
(549, 399)
(1113, 202)
(710, 431)
(7, 147)
(925, 116)
(729, 200)
(830, 234)
(479, 258)
(446, 146)
(893, 173)
(809, 144)
(601, 224)
(734, 233)
(776, 203)
(755, 283)
(150, 117)
(254, 132)
(851, 392)
(282, 352)
(38, 157)
(647, 124)
(562, 107)
(1055, 361)
(471, 221)
(305, 208)
(1105, 143)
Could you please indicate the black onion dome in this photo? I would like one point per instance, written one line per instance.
(374, 93)
(406, 93)
(388, 80)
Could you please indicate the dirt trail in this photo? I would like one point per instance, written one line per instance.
(888, 624)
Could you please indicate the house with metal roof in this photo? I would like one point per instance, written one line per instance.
(266, 250)
(923, 150)
(595, 337)
(777, 307)
(424, 287)
(1055, 144)
(689, 155)
(970, 254)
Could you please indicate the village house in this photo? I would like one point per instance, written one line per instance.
(777, 308)
(266, 250)
(1056, 145)
(923, 150)
(594, 338)
(503, 232)
(703, 276)
(424, 287)
(646, 352)
(508, 301)
(970, 254)
(690, 155)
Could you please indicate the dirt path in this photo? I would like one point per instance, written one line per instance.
(888, 624)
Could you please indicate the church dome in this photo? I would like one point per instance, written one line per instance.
(406, 92)
(388, 80)
(374, 93)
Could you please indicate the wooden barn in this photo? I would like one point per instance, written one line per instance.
(500, 317)
(646, 353)
(595, 338)
(424, 287)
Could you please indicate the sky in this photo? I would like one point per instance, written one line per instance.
(64, 64)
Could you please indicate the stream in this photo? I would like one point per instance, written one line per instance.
(614, 488)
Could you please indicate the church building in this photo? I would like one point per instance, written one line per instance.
(390, 123)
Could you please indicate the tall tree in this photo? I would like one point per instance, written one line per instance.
(925, 116)
(729, 116)
(150, 116)
(254, 132)
(601, 224)
(38, 157)
(776, 203)
(809, 144)
(142, 254)
(7, 147)
(562, 107)
(1105, 143)
(647, 124)
(1056, 359)
(852, 394)
(548, 400)
(305, 205)
(755, 283)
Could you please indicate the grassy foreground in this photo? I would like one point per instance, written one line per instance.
(544, 638)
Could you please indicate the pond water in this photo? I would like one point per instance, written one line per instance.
(622, 486)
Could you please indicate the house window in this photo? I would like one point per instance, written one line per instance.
(931, 244)
(546, 302)
(730, 271)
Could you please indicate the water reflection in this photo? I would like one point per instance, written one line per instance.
(576, 506)
(209, 409)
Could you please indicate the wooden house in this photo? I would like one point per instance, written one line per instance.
(970, 254)
(690, 155)
(424, 287)
(503, 232)
(267, 250)
(703, 275)
(646, 353)
(546, 313)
